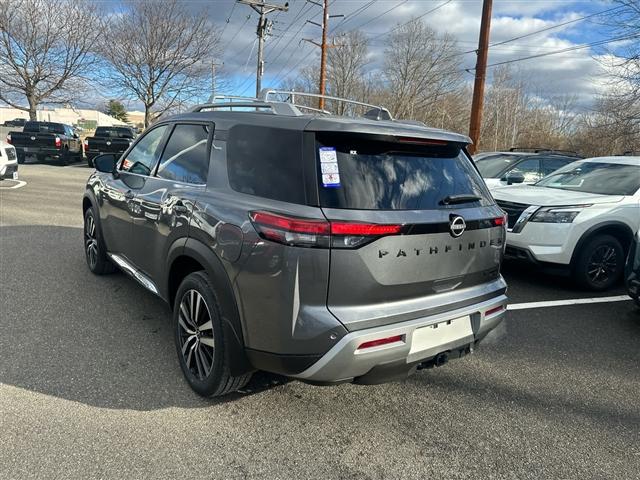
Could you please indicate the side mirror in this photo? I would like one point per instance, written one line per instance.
(514, 177)
(105, 163)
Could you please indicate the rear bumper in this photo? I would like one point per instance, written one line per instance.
(40, 152)
(345, 362)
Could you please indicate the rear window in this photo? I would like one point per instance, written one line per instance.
(266, 162)
(114, 132)
(494, 166)
(358, 172)
(38, 127)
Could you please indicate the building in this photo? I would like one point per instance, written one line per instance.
(87, 119)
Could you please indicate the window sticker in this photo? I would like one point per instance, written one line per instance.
(328, 155)
(329, 167)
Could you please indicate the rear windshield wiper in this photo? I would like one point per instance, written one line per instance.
(462, 198)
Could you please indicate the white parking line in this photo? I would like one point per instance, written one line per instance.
(17, 185)
(574, 301)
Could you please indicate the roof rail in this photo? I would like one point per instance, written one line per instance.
(377, 112)
(569, 153)
(278, 108)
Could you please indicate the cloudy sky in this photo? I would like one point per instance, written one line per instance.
(577, 72)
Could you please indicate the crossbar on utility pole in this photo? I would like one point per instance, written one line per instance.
(475, 122)
(262, 31)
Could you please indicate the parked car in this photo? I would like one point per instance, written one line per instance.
(108, 140)
(515, 166)
(632, 271)
(580, 220)
(323, 248)
(16, 122)
(47, 140)
(8, 161)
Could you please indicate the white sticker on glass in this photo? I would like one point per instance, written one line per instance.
(328, 154)
(331, 179)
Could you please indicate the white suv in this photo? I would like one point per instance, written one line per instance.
(580, 219)
(8, 161)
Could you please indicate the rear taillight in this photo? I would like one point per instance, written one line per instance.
(499, 221)
(303, 232)
(58, 142)
(85, 144)
(380, 341)
(9, 139)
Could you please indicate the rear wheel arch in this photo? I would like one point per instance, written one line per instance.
(195, 256)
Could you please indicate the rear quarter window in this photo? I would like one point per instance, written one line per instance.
(266, 162)
(388, 175)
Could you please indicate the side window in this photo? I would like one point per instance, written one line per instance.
(266, 162)
(144, 156)
(530, 169)
(550, 165)
(185, 158)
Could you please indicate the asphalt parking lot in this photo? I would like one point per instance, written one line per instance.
(90, 386)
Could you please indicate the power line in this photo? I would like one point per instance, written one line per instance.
(397, 27)
(568, 49)
(558, 25)
(383, 13)
(350, 16)
(228, 19)
(237, 32)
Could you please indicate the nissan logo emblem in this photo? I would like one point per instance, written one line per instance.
(456, 225)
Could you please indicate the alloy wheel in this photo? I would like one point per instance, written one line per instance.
(91, 241)
(196, 334)
(602, 265)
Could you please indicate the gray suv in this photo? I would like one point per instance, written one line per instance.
(324, 248)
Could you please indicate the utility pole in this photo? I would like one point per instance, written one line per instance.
(323, 47)
(213, 80)
(264, 29)
(481, 73)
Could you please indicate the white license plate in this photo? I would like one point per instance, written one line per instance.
(15, 175)
(437, 334)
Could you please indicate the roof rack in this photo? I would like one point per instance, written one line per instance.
(278, 108)
(376, 112)
(288, 105)
(569, 153)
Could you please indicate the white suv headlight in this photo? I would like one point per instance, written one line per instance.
(557, 214)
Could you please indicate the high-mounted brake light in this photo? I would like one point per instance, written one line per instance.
(305, 232)
(421, 141)
(58, 142)
(380, 341)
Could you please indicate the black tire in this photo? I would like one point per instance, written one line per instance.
(64, 158)
(600, 263)
(20, 158)
(205, 365)
(90, 162)
(94, 248)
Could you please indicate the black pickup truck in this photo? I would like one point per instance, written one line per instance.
(47, 140)
(114, 140)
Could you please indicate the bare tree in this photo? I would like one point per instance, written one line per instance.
(159, 54)
(346, 64)
(420, 67)
(45, 50)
